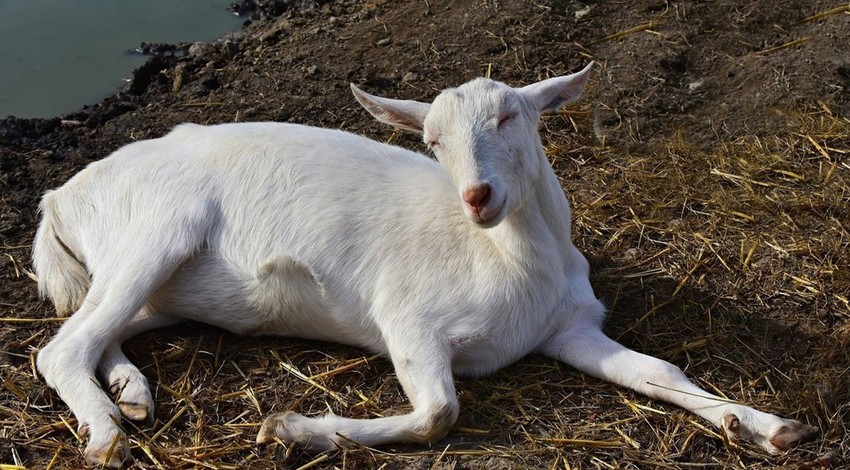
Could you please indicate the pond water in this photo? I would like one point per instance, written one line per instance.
(58, 55)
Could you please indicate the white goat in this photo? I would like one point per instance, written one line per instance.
(456, 267)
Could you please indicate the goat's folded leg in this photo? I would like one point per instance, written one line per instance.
(124, 381)
(589, 350)
(425, 374)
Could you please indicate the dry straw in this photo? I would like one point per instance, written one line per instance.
(692, 250)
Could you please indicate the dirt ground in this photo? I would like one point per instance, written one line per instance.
(708, 164)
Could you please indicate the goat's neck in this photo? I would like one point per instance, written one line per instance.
(537, 234)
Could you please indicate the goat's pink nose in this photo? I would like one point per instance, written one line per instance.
(477, 196)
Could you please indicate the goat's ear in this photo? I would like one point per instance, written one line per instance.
(404, 114)
(552, 94)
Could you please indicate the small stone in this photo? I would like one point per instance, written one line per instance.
(384, 42)
(696, 85)
(579, 14)
(409, 77)
(249, 111)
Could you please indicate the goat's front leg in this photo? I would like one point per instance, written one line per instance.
(589, 350)
(424, 370)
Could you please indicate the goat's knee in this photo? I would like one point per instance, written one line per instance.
(435, 421)
(659, 374)
(44, 361)
(53, 363)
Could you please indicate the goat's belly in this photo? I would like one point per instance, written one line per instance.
(492, 336)
(490, 349)
(281, 298)
(486, 357)
(476, 357)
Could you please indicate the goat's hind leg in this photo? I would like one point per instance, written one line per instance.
(124, 381)
(68, 365)
(69, 360)
(588, 349)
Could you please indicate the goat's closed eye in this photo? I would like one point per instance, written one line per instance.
(505, 119)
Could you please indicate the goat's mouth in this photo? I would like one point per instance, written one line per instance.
(488, 216)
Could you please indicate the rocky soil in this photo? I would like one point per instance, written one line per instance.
(707, 162)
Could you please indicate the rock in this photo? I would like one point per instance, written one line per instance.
(272, 33)
(156, 48)
(199, 49)
(179, 76)
(230, 49)
(146, 74)
(8, 131)
(244, 7)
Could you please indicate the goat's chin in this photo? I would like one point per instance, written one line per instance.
(491, 215)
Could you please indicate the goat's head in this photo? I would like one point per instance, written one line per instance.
(484, 133)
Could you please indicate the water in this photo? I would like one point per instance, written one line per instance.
(58, 55)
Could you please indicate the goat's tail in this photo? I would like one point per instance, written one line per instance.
(61, 275)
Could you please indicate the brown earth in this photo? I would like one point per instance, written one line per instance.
(708, 164)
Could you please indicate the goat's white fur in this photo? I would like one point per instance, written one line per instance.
(282, 229)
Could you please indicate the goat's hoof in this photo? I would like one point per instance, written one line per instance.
(732, 426)
(293, 427)
(275, 426)
(134, 411)
(83, 430)
(792, 434)
(776, 437)
(102, 457)
(133, 397)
